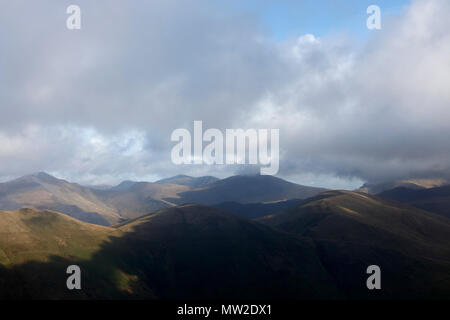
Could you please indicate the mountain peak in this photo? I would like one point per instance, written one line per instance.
(185, 180)
(181, 176)
(124, 185)
(45, 177)
(413, 184)
(42, 174)
(37, 177)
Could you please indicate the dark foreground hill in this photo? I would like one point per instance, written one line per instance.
(317, 249)
(352, 231)
(186, 252)
(256, 210)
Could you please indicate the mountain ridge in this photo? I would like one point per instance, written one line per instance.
(354, 230)
(435, 200)
(130, 199)
(247, 189)
(194, 182)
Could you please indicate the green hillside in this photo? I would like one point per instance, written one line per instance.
(36, 247)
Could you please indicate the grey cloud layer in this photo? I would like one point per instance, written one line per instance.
(101, 103)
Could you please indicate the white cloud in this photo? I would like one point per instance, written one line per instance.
(100, 104)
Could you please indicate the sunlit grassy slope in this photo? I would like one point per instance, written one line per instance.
(29, 234)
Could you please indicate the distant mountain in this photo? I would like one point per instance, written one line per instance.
(261, 195)
(247, 189)
(256, 210)
(131, 199)
(101, 206)
(43, 191)
(352, 231)
(188, 181)
(135, 199)
(436, 200)
(414, 184)
(124, 185)
(99, 186)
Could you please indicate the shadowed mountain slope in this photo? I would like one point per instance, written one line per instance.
(196, 252)
(436, 200)
(188, 252)
(247, 189)
(256, 210)
(354, 230)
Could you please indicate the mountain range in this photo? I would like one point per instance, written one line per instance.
(414, 184)
(130, 199)
(319, 248)
(243, 237)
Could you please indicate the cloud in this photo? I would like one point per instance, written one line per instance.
(99, 104)
(379, 113)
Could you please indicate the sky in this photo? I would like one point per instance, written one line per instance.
(287, 19)
(98, 105)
